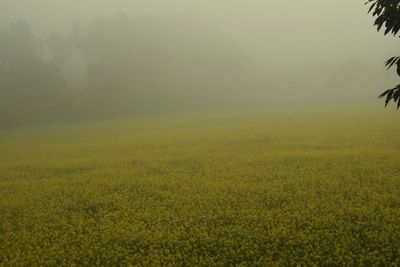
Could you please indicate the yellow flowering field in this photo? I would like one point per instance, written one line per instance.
(266, 188)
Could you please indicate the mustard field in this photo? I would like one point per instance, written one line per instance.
(265, 188)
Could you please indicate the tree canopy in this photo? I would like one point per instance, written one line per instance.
(387, 18)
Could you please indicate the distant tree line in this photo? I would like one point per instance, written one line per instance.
(117, 65)
(124, 65)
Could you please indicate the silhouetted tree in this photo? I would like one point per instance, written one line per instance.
(387, 18)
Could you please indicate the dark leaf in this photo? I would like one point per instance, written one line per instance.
(371, 7)
(392, 61)
(396, 95)
(389, 97)
(388, 29)
(384, 93)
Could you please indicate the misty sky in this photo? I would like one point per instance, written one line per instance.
(159, 55)
(301, 33)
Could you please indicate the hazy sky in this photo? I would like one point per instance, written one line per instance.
(285, 51)
(302, 32)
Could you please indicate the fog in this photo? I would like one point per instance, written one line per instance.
(64, 59)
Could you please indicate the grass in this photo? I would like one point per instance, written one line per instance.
(270, 188)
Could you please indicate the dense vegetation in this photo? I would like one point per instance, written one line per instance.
(256, 190)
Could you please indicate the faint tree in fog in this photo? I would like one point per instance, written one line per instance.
(387, 18)
(60, 48)
(151, 62)
(29, 84)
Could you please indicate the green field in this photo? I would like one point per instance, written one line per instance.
(265, 188)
